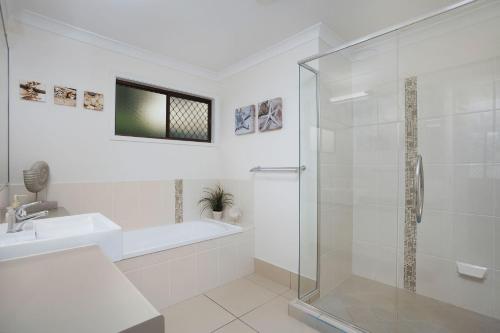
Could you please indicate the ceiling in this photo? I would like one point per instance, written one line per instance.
(215, 34)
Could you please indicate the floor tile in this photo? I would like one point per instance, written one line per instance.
(291, 294)
(236, 326)
(209, 316)
(273, 317)
(240, 296)
(268, 284)
(377, 307)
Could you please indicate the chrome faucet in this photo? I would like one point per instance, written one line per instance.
(17, 217)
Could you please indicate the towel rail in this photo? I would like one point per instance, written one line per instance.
(278, 169)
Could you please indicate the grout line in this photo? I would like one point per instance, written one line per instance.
(255, 308)
(248, 325)
(234, 315)
(218, 328)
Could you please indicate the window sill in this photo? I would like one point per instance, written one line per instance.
(162, 141)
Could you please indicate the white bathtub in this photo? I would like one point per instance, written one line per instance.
(155, 239)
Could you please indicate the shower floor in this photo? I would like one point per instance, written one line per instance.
(380, 308)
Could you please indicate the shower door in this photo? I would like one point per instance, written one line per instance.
(400, 211)
(448, 69)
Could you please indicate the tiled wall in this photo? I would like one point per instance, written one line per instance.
(378, 137)
(377, 149)
(141, 204)
(336, 195)
(171, 276)
(459, 141)
(458, 138)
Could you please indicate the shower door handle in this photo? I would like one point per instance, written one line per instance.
(419, 188)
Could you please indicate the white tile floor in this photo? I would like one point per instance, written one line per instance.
(248, 305)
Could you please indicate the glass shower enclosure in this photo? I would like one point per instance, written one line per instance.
(409, 112)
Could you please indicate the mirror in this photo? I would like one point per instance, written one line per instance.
(4, 104)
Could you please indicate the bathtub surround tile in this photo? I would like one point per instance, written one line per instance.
(207, 270)
(125, 202)
(178, 201)
(142, 204)
(171, 276)
(192, 190)
(153, 283)
(240, 296)
(228, 263)
(183, 281)
(152, 204)
(410, 232)
(195, 315)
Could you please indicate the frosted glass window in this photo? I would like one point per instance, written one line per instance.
(140, 113)
(150, 112)
(188, 119)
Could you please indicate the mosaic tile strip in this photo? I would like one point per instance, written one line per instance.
(410, 232)
(178, 201)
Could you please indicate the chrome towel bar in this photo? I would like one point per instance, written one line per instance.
(278, 169)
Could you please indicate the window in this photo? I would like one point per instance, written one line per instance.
(149, 112)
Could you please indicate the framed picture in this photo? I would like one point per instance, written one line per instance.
(32, 91)
(244, 120)
(271, 114)
(93, 101)
(65, 96)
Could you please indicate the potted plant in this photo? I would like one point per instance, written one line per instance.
(215, 199)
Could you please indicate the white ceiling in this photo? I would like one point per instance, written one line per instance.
(214, 34)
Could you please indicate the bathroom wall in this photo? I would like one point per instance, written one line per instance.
(78, 143)
(130, 182)
(276, 201)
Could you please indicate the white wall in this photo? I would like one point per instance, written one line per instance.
(78, 145)
(276, 200)
(77, 142)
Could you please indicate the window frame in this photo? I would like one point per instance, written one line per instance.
(168, 93)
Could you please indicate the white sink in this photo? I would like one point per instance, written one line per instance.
(59, 233)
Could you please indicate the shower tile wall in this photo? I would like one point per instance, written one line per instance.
(336, 174)
(378, 138)
(377, 146)
(458, 139)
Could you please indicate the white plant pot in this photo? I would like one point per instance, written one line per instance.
(217, 216)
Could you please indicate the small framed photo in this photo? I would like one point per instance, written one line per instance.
(64, 96)
(93, 101)
(271, 115)
(32, 91)
(244, 120)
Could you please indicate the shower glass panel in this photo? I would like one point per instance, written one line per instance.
(426, 91)
(308, 181)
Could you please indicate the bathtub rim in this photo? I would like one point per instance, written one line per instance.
(232, 230)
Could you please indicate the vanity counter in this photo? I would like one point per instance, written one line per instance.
(77, 290)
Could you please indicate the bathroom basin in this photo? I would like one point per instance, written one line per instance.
(59, 233)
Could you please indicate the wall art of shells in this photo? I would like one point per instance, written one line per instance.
(271, 114)
(32, 91)
(244, 120)
(64, 96)
(93, 101)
